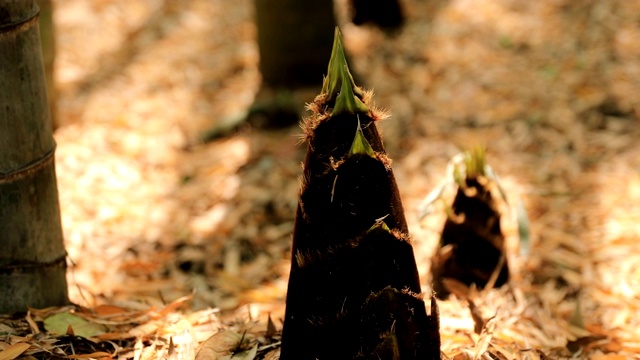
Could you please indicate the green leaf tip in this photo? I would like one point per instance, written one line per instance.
(360, 145)
(347, 101)
(475, 161)
(339, 84)
(380, 224)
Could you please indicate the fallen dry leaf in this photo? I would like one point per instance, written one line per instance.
(94, 355)
(223, 345)
(14, 351)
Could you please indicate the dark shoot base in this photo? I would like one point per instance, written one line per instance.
(354, 289)
(339, 294)
(474, 240)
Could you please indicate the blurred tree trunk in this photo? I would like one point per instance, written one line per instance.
(48, 41)
(32, 259)
(295, 39)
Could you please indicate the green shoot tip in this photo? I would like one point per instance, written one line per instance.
(360, 145)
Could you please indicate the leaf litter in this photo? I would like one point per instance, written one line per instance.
(172, 241)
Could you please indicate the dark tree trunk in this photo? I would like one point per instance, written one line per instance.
(32, 259)
(295, 39)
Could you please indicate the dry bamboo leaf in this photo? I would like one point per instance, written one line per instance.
(478, 320)
(137, 349)
(174, 305)
(485, 338)
(509, 355)
(465, 354)
(149, 353)
(220, 346)
(94, 355)
(14, 351)
(109, 310)
(32, 324)
(609, 357)
(272, 355)
(145, 329)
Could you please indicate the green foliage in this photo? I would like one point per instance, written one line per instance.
(61, 323)
(360, 144)
(338, 71)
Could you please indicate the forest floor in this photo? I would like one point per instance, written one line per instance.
(172, 240)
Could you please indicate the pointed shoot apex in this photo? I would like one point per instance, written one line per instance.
(347, 101)
(360, 144)
(475, 161)
(338, 71)
(379, 225)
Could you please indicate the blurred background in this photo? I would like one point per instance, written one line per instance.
(171, 182)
